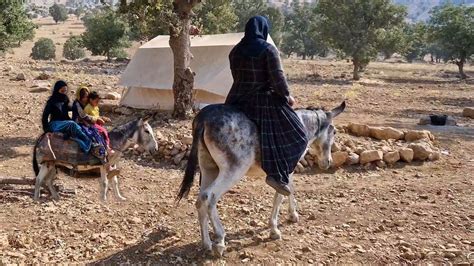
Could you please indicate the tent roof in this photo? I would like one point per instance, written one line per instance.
(152, 65)
(228, 39)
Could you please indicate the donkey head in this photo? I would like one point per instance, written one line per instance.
(145, 138)
(324, 135)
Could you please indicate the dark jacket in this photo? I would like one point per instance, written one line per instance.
(57, 107)
(54, 111)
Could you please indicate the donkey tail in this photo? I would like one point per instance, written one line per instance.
(190, 172)
(35, 160)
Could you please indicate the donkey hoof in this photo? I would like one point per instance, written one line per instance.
(275, 234)
(122, 198)
(219, 249)
(207, 247)
(294, 218)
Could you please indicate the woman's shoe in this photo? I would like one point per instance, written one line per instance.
(281, 188)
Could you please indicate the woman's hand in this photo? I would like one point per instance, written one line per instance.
(291, 101)
(106, 119)
(100, 121)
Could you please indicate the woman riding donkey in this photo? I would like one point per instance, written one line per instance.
(260, 91)
(56, 117)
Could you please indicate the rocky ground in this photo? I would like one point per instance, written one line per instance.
(403, 213)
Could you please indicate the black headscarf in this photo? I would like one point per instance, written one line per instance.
(255, 39)
(57, 96)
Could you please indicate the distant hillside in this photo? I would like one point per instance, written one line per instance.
(419, 9)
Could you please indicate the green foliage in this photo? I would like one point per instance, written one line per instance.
(79, 11)
(43, 49)
(216, 16)
(73, 48)
(105, 31)
(58, 12)
(277, 20)
(417, 40)
(245, 9)
(452, 28)
(119, 53)
(147, 20)
(15, 26)
(352, 28)
(301, 32)
(392, 41)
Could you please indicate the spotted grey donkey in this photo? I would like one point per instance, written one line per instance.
(136, 133)
(226, 146)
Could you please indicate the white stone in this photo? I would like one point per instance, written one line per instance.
(391, 157)
(406, 154)
(352, 159)
(421, 150)
(339, 158)
(112, 96)
(371, 156)
(386, 133)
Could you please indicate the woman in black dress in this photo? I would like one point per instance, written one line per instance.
(260, 90)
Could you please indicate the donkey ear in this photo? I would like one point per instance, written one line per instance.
(338, 110)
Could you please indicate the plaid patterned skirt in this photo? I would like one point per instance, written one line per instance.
(283, 137)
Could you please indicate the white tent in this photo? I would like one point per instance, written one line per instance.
(149, 75)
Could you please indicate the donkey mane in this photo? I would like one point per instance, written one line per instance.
(314, 108)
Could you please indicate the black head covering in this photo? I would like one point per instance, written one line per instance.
(255, 39)
(57, 96)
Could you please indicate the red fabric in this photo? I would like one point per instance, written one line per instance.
(103, 131)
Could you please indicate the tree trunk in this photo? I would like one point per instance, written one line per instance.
(460, 64)
(355, 72)
(180, 44)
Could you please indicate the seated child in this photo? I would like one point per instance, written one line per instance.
(92, 109)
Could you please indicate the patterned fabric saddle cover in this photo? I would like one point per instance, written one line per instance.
(65, 151)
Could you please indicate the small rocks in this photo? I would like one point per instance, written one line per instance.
(468, 112)
(391, 157)
(188, 140)
(352, 159)
(339, 158)
(134, 220)
(370, 156)
(359, 130)
(421, 151)
(406, 154)
(385, 133)
(124, 111)
(409, 255)
(39, 90)
(112, 96)
(43, 76)
(20, 77)
(414, 135)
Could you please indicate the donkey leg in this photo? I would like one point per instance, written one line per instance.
(225, 181)
(49, 181)
(203, 221)
(104, 183)
(292, 205)
(208, 175)
(275, 233)
(118, 195)
(44, 171)
(115, 186)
